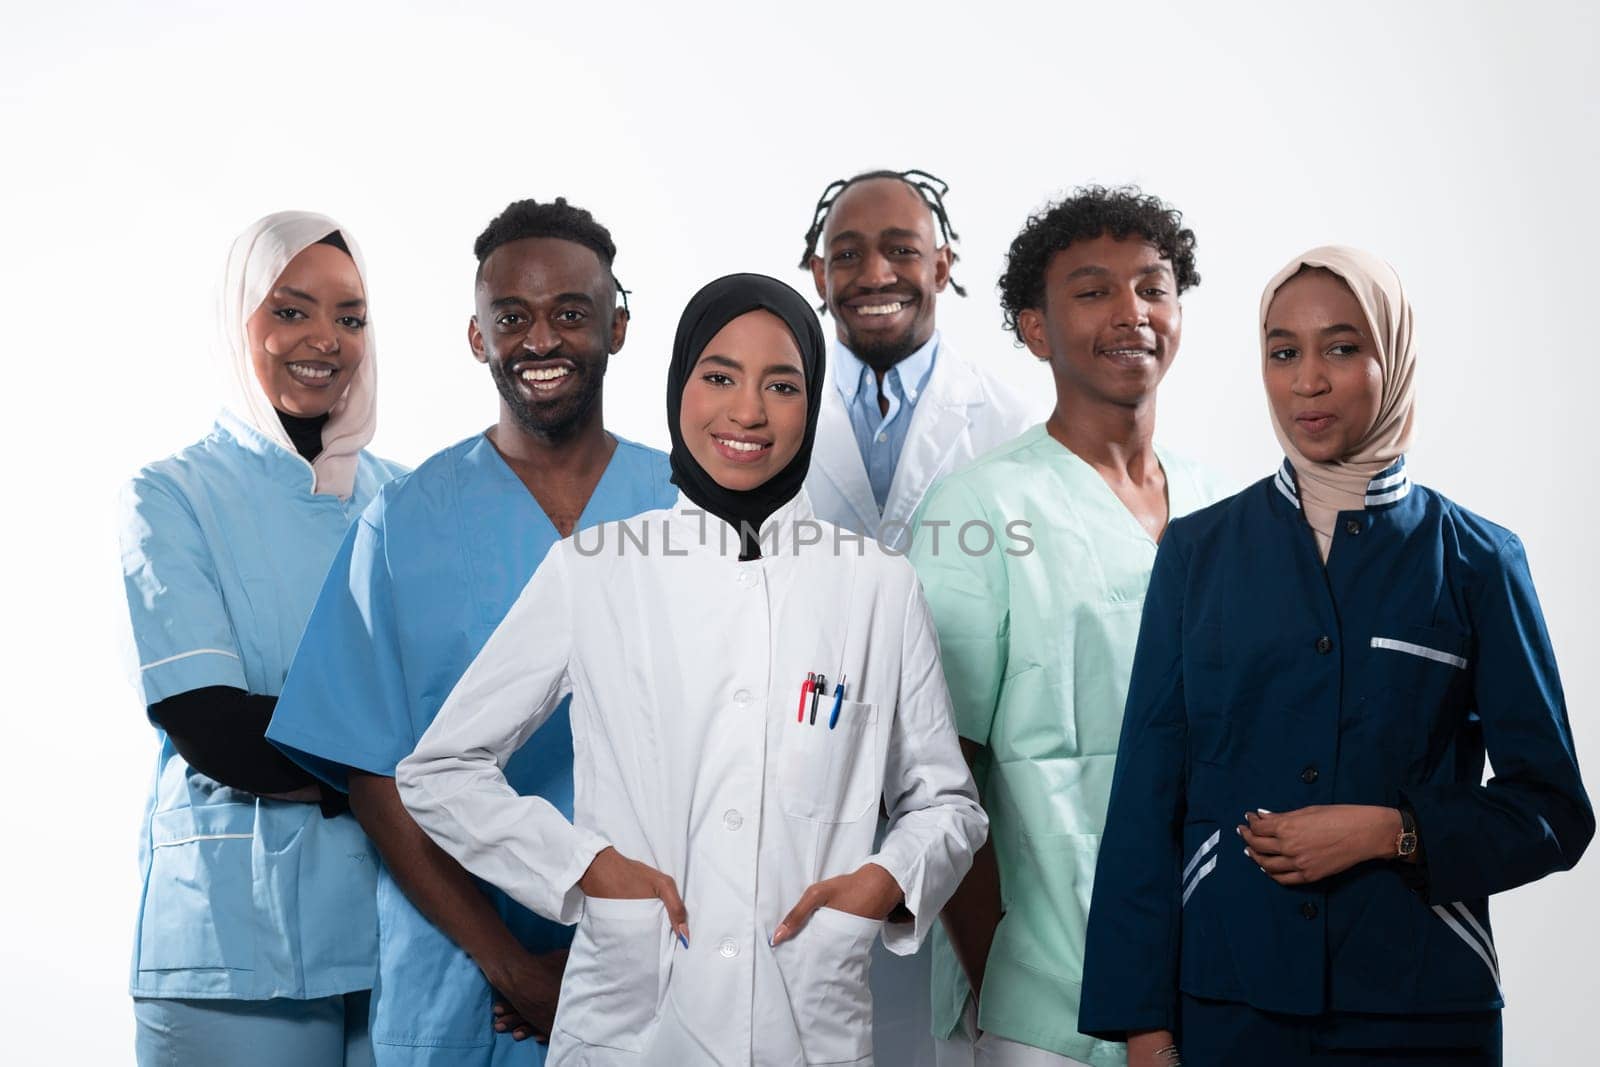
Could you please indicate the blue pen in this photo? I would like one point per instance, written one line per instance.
(838, 698)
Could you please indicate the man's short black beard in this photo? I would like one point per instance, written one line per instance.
(885, 354)
(572, 417)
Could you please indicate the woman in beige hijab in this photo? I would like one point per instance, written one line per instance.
(1300, 847)
(257, 930)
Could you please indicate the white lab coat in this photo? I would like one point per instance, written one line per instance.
(685, 668)
(961, 414)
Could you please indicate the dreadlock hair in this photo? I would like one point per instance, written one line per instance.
(931, 189)
(1089, 212)
(530, 218)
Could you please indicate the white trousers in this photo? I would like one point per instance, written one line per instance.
(992, 1050)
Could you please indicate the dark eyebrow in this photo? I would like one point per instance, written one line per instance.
(784, 368)
(721, 361)
(1156, 268)
(1279, 331)
(358, 302)
(298, 294)
(1339, 327)
(1084, 272)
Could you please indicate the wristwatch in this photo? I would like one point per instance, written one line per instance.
(1406, 843)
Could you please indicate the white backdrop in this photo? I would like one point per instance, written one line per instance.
(1459, 141)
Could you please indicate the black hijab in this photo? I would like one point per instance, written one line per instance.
(709, 310)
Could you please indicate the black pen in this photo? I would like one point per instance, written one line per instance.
(816, 692)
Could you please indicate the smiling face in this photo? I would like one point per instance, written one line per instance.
(309, 335)
(1324, 376)
(546, 324)
(880, 269)
(1111, 321)
(743, 413)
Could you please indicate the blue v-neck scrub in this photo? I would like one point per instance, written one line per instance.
(1264, 679)
(224, 547)
(422, 581)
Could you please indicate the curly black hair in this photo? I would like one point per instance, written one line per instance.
(1090, 212)
(530, 218)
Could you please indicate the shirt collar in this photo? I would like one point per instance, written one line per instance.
(285, 466)
(1386, 489)
(912, 372)
(698, 532)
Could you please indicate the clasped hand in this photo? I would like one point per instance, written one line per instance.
(1310, 844)
(869, 892)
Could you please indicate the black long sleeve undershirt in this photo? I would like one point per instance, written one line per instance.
(222, 733)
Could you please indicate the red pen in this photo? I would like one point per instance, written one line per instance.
(805, 691)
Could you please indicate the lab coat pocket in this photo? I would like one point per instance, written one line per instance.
(611, 992)
(832, 776)
(824, 970)
(198, 909)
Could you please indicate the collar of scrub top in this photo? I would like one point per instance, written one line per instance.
(696, 531)
(1386, 489)
(912, 373)
(280, 464)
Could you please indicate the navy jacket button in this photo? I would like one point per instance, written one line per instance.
(1324, 644)
(1309, 775)
(1309, 910)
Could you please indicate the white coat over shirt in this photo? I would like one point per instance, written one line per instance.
(685, 668)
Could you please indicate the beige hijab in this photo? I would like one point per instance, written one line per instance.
(257, 258)
(1328, 488)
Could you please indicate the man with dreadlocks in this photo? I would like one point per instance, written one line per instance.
(901, 408)
(465, 974)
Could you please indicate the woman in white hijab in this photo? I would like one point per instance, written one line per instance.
(1300, 846)
(256, 939)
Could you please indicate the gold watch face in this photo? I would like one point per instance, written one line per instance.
(1408, 844)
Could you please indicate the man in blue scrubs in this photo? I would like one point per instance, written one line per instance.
(466, 976)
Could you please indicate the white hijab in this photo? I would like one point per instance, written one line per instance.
(259, 255)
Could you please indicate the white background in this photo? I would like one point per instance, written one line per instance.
(1457, 140)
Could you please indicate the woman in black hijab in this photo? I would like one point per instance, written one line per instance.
(737, 721)
(743, 485)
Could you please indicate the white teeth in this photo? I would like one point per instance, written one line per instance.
(1127, 352)
(310, 371)
(879, 309)
(742, 446)
(544, 374)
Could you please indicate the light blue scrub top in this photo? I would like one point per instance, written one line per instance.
(224, 546)
(421, 582)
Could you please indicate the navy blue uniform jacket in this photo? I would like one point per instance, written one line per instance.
(1265, 680)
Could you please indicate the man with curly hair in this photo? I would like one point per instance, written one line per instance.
(1038, 645)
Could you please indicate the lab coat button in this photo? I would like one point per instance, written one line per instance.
(732, 819)
(1309, 776)
(747, 578)
(1324, 644)
(729, 948)
(1352, 527)
(742, 697)
(1308, 909)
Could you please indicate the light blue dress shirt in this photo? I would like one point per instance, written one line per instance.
(224, 547)
(422, 580)
(881, 435)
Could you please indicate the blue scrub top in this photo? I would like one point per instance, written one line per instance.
(421, 582)
(224, 546)
(1264, 679)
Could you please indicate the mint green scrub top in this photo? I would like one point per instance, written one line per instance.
(1038, 647)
